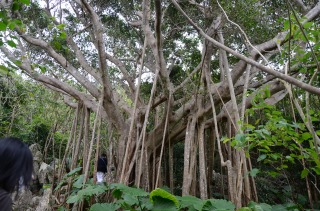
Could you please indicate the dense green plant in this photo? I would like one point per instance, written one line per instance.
(136, 199)
(279, 146)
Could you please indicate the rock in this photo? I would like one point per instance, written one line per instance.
(45, 173)
(44, 204)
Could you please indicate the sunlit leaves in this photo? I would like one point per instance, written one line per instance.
(162, 200)
(26, 2)
(3, 26)
(11, 43)
(62, 35)
(304, 173)
(4, 70)
(302, 43)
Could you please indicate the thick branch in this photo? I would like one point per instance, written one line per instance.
(63, 62)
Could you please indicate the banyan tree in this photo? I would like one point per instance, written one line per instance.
(157, 73)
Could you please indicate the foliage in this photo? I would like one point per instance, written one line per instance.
(282, 148)
(29, 111)
(72, 174)
(280, 142)
(136, 199)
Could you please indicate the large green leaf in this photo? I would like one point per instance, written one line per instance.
(160, 204)
(219, 205)
(245, 209)
(129, 190)
(88, 191)
(116, 193)
(104, 207)
(92, 190)
(190, 202)
(73, 172)
(260, 207)
(130, 200)
(279, 208)
(145, 203)
(163, 200)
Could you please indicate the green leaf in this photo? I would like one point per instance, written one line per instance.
(254, 172)
(262, 157)
(317, 170)
(208, 206)
(88, 191)
(57, 45)
(117, 193)
(11, 43)
(286, 25)
(160, 204)
(26, 2)
(245, 209)
(79, 183)
(262, 207)
(92, 190)
(306, 136)
(74, 171)
(225, 139)
(73, 199)
(12, 25)
(190, 202)
(3, 26)
(267, 92)
(130, 200)
(42, 68)
(240, 137)
(61, 26)
(278, 208)
(307, 25)
(254, 206)
(4, 69)
(222, 205)
(18, 62)
(161, 197)
(129, 190)
(304, 173)
(104, 207)
(62, 209)
(63, 35)
(15, 6)
(273, 173)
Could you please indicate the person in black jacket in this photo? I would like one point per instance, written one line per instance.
(101, 168)
(16, 167)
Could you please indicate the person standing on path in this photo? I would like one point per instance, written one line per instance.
(16, 167)
(101, 168)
